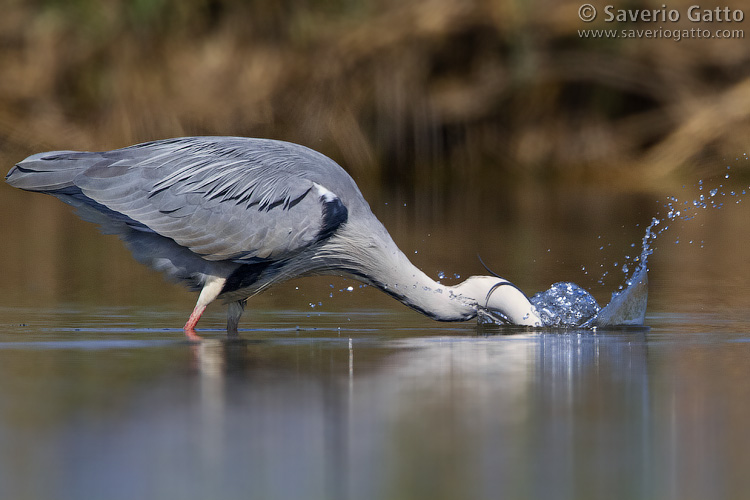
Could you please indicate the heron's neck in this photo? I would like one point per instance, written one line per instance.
(414, 288)
(383, 265)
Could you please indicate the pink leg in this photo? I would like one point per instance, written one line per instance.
(209, 292)
(189, 327)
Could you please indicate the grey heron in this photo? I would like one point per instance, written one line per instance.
(231, 216)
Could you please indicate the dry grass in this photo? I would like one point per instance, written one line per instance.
(410, 92)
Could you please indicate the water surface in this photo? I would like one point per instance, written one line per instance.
(382, 411)
(337, 393)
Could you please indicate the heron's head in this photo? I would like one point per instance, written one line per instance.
(500, 299)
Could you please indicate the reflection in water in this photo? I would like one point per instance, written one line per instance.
(618, 414)
(439, 417)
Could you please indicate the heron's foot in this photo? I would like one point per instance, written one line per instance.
(189, 327)
(192, 335)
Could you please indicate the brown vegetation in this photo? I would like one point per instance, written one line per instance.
(396, 90)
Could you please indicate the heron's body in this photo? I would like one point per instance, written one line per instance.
(232, 216)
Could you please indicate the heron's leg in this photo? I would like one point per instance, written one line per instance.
(234, 312)
(210, 291)
(189, 327)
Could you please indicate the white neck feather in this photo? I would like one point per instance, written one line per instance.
(387, 268)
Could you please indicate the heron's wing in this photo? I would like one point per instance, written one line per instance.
(223, 198)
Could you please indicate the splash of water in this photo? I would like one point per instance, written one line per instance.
(681, 211)
(568, 305)
(565, 304)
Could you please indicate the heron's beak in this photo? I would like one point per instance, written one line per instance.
(506, 304)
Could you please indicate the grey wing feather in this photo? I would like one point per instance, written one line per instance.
(223, 198)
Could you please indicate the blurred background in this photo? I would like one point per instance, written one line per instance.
(471, 126)
(420, 94)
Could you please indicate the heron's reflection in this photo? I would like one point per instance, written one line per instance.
(405, 409)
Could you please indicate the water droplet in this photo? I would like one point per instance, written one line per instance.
(349, 288)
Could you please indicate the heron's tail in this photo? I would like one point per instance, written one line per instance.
(52, 171)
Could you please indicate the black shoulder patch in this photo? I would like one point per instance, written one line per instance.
(244, 276)
(335, 213)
